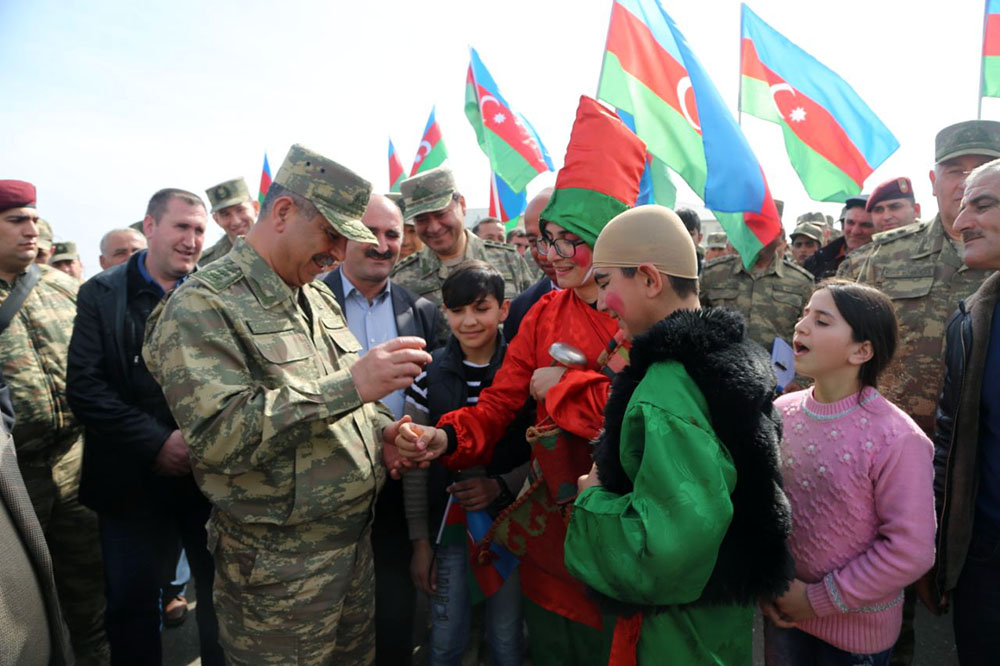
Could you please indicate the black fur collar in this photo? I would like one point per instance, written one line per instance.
(737, 380)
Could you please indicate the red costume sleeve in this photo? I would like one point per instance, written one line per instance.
(577, 402)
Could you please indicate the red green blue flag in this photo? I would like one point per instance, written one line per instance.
(265, 181)
(655, 186)
(486, 571)
(834, 141)
(650, 72)
(991, 50)
(505, 204)
(513, 147)
(431, 151)
(396, 173)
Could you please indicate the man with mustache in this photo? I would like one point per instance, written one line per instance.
(235, 211)
(378, 310)
(283, 424)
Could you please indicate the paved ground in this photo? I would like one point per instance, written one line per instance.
(935, 643)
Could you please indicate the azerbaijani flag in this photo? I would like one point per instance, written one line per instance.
(655, 186)
(458, 526)
(515, 152)
(650, 72)
(265, 181)
(991, 50)
(396, 173)
(834, 141)
(505, 204)
(431, 151)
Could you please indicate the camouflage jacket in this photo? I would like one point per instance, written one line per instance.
(423, 273)
(33, 352)
(280, 441)
(217, 251)
(771, 301)
(921, 269)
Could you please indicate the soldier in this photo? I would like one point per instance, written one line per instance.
(806, 240)
(33, 346)
(920, 268)
(65, 258)
(437, 209)
(770, 295)
(234, 210)
(857, 231)
(44, 242)
(262, 375)
(118, 245)
(892, 205)
(715, 245)
(489, 228)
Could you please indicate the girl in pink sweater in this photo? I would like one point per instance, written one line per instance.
(859, 475)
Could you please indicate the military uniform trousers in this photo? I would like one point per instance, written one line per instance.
(287, 607)
(71, 533)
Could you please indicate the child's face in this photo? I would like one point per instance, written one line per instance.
(575, 270)
(475, 325)
(624, 299)
(823, 340)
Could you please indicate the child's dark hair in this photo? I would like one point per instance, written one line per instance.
(471, 282)
(872, 317)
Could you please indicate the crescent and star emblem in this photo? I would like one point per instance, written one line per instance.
(423, 150)
(682, 87)
(779, 87)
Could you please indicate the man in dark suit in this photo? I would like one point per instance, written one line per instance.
(377, 310)
(520, 305)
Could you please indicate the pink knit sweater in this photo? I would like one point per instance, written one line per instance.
(860, 481)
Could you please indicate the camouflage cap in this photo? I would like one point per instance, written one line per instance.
(138, 226)
(972, 137)
(44, 235)
(811, 217)
(340, 194)
(780, 205)
(716, 240)
(63, 251)
(427, 192)
(228, 193)
(397, 198)
(809, 231)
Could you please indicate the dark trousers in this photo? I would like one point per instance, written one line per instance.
(976, 600)
(395, 596)
(140, 554)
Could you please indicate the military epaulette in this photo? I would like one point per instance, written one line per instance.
(719, 260)
(403, 263)
(59, 280)
(799, 269)
(884, 237)
(218, 275)
(499, 245)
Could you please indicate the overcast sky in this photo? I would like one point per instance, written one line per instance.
(105, 102)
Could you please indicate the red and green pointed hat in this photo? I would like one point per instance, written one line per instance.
(600, 175)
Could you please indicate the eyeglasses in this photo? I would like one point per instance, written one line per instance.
(565, 247)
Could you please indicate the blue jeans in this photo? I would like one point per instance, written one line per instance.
(791, 647)
(976, 600)
(140, 555)
(451, 610)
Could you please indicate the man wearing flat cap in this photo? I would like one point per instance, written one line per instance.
(282, 421)
(66, 258)
(47, 437)
(235, 211)
(432, 201)
(893, 205)
(920, 268)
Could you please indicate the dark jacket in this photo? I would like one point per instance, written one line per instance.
(825, 261)
(737, 380)
(448, 391)
(126, 419)
(520, 306)
(956, 437)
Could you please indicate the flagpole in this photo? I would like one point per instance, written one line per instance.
(604, 53)
(982, 60)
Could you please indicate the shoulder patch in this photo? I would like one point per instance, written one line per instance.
(61, 282)
(719, 261)
(218, 275)
(895, 234)
(798, 269)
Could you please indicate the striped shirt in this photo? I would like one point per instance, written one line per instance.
(475, 373)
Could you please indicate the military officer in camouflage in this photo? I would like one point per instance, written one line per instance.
(263, 377)
(433, 202)
(48, 438)
(770, 295)
(235, 211)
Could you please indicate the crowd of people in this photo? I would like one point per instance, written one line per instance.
(294, 420)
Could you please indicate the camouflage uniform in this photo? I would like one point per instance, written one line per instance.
(771, 300)
(49, 444)
(217, 251)
(920, 268)
(855, 259)
(225, 194)
(257, 375)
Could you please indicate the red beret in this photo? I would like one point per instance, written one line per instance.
(16, 194)
(897, 188)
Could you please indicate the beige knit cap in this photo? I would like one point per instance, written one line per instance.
(647, 235)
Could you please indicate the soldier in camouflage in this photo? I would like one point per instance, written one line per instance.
(235, 211)
(263, 377)
(44, 242)
(48, 438)
(770, 295)
(433, 202)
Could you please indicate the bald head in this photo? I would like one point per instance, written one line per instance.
(120, 244)
(532, 214)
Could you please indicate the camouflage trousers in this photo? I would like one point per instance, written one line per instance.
(71, 533)
(304, 608)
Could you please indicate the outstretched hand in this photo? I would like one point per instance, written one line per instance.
(420, 443)
(395, 463)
